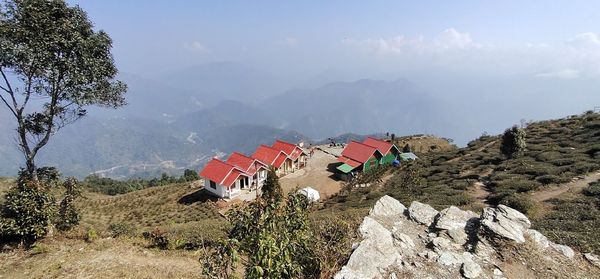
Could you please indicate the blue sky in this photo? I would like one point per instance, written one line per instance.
(515, 37)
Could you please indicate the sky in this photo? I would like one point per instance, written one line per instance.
(544, 39)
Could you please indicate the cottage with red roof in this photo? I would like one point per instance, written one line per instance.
(275, 158)
(389, 151)
(253, 168)
(223, 179)
(358, 156)
(293, 151)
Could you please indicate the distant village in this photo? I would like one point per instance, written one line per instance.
(241, 173)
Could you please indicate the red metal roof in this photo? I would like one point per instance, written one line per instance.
(292, 150)
(232, 177)
(267, 155)
(382, 146)
(359, 152)
(220, 172)
(247, 164)
(280, 159)
(349, 161)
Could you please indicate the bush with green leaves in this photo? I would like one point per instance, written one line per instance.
(27, 211)
(519, 202)
(274, 235)
(68, 215)
(513, 142)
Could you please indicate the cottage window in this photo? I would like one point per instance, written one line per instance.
(213, 185)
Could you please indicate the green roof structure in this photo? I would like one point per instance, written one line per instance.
(345, 168)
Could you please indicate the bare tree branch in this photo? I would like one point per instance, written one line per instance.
(10, 91)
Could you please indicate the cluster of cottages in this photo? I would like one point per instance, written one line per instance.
(226, 179)
(372, 152)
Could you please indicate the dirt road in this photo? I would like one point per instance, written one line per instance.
(315, 175)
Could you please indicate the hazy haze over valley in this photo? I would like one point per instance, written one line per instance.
(202, 85)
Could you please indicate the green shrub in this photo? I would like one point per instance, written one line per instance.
(552, 179)
(91, 235)
(39, 248)
(158, 239)
(26, 212)
(519, 202)
(592, 190)
(121, 229)
(563, 162)
(583, 167)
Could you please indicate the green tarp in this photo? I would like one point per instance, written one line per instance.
(345, 168)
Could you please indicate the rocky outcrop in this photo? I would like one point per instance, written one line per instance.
(421, 242)
(422, 213)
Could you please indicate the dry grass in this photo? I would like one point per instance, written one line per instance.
(105, 258)
(174, 207)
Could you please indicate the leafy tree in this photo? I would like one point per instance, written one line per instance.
(274, 235)
(271, 190)
(190, 175)
(513, 142)
(52, 66)
(68, 215)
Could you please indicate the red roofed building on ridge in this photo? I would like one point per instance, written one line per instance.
(253, 168)
(275, 158)
(293, 151)
(358, 156)
(222, 179)
(389, 151)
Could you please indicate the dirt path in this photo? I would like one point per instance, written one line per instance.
(572, 187)
(315, 175)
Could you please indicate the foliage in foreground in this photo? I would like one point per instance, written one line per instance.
(30, 207)
(273, 234)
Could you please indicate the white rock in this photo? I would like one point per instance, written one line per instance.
(371, 228)
(593, 259)
(538, 238)
(498, 274)
(387, 206)
(505, 222)
(453, 218)
(422, 213)
(470, 269)
(448, 258)
(563, 249)
(441, 244)
(458, 236)
(376, 252)
(403, 240)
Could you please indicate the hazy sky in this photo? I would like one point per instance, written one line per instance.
(546, 39)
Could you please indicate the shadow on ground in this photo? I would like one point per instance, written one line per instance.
(198, 196)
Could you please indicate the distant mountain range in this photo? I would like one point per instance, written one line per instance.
(183, 118)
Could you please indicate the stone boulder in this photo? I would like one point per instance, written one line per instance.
(453, 218)
(422, 213)
(563, 249)
(505, 223)
(387, 206)
(538, 238)
(375, 252)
